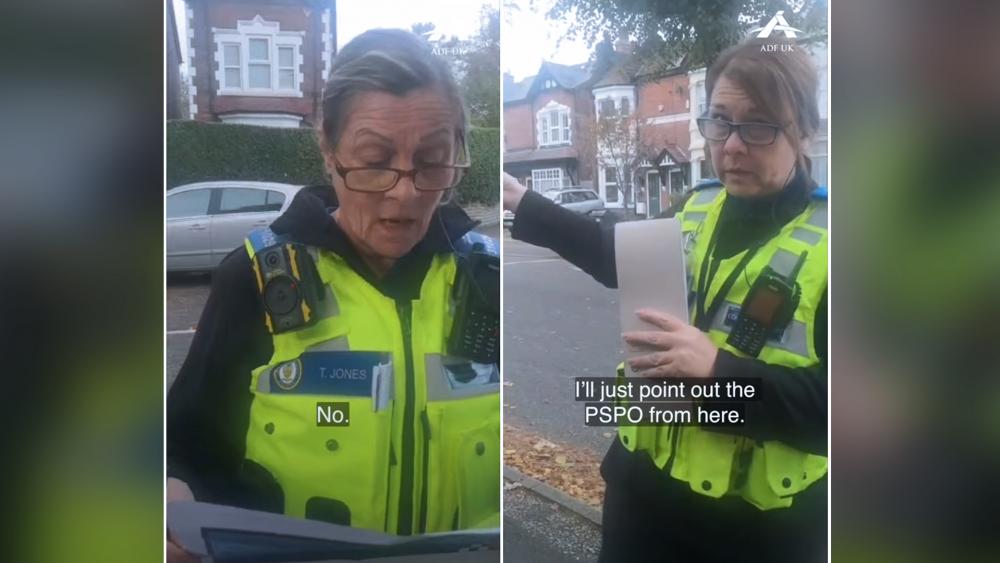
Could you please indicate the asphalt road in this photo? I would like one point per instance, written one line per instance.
(558, 324)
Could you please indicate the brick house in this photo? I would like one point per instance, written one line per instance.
(547, 141)
(259, 62)
(174, 60)
(659, 108)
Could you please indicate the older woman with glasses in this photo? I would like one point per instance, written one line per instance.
(330, 377)
(757, 271)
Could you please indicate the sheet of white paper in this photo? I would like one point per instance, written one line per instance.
(650, 262)
(224, 533)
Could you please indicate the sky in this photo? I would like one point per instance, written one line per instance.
(450, 17)
(526, 35)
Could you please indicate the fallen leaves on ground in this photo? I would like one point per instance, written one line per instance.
(574, 471)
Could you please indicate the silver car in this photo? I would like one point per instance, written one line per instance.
(579, 200)
(207, 220)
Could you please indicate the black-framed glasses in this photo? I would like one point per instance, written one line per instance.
(751, 133)
(430, 178)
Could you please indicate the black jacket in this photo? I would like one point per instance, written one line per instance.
(208, 406)
(793, 405)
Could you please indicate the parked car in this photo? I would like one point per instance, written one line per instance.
(207, 220)
(508, 218)
(579, 200)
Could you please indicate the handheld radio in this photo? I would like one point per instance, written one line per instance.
(475, 332)
(768, 308)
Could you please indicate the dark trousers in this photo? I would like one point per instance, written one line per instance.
(650, 516)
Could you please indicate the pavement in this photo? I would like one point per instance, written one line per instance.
(539, 527)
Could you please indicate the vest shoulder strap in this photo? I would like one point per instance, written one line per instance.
(263, 237)
(704, 194)
(472, 241)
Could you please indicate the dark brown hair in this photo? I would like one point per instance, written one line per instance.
(782, 84)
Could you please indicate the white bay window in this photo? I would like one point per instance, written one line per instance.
(258, 59)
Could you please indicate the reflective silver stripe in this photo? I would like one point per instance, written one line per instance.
(805, 235)
(793, 340)
(328, 306)
(339, 344)
(443, 387)
(696, 216)
(783, 261)
(818, 217)
(706, 196)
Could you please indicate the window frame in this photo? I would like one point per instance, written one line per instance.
(700, 98)
(554, 125)
(208, 206)
(613, 183)
(541, 179)
(278, 193)
(251, 62)
(238, 66)
(242, 35)
(222, 191)
(281, 68)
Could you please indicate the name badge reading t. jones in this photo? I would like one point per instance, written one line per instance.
(344, 373)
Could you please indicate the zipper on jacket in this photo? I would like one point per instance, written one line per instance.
(388, 481)
(424, 479)
(405, 526)
(675, 433)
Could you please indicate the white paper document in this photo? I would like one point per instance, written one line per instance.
(221, 534)
(649, 256)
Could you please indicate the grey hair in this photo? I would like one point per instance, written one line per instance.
(385, 60)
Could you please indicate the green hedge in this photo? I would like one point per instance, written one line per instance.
(199, 152)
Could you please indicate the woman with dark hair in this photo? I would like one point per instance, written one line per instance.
(373, 260)
(755, 492)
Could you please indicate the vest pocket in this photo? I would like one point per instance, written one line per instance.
(790, 471)
(319, 458)
(705, 460)
(464, 463)
(777, 472)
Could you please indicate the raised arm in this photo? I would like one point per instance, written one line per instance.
(583, 241)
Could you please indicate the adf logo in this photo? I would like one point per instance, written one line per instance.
(778, 23)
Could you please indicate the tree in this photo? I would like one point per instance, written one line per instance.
(669, 31)
(475, 64)
(619, 148)
(481, 81)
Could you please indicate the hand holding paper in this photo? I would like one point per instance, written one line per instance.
(678, 349)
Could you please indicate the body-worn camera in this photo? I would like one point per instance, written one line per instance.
(289, 285)
(475, 332)
(767, 309)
